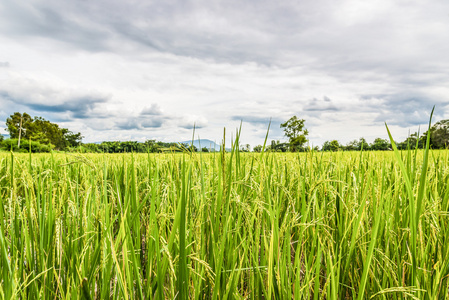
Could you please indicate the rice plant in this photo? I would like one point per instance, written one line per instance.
(343, 225)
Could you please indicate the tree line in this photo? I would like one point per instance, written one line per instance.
(296, 133)
(37, 134)
(149, 146)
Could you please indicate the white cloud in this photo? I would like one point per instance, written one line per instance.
(192, 121)
(147, 69)
(154, 109)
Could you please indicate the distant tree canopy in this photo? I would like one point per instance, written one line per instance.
(277, 146)
(192, 148)
(439, 135)
(333, 145)
(42, 131)
(149, 146)
(380, 144)
(40, 135)
(25, 146)
(295, 131)
(257, 148)
(13, 125)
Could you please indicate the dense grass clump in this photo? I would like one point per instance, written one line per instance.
(352, 225)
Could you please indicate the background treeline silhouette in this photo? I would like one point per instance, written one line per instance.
(37, 134)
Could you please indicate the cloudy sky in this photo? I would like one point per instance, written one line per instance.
(137, 70)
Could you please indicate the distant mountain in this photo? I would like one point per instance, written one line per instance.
(201, 143)
(5, 136)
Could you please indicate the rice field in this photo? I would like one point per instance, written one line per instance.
(343, 225)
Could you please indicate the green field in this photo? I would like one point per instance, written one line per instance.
(343, 225)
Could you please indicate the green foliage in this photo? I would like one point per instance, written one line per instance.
(86, 148)
(122, 147)
(380, 144)
(152, 146)
(245, 148)
(13, 125)
(295, 131)
(362, 144)
(333, 145)
(190, 148)
(439, 137)
(352, 146)
(25, 146)
(71, 139)
(185, 147)
(233, 226)
(277, 146)
(355, 145)
(149, 146)
(411, 142)
(42, 131)
(257, 148)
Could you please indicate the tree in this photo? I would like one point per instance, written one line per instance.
(45, 132)
(362, 144)
(244, 148)
(380, 144)
(151, 146)
(326, 146)
(72, 139)
(277, 146)
(351, 146)
(192, 148)
(439, 136)
(204, 149)
(26, 146)
(334, 145)
(410, 142)
(41, 130)
(331, 146)
(295, 131)
(257, 148)
(13, 125)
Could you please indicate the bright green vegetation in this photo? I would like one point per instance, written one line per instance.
(343, 225)
(42, 135)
